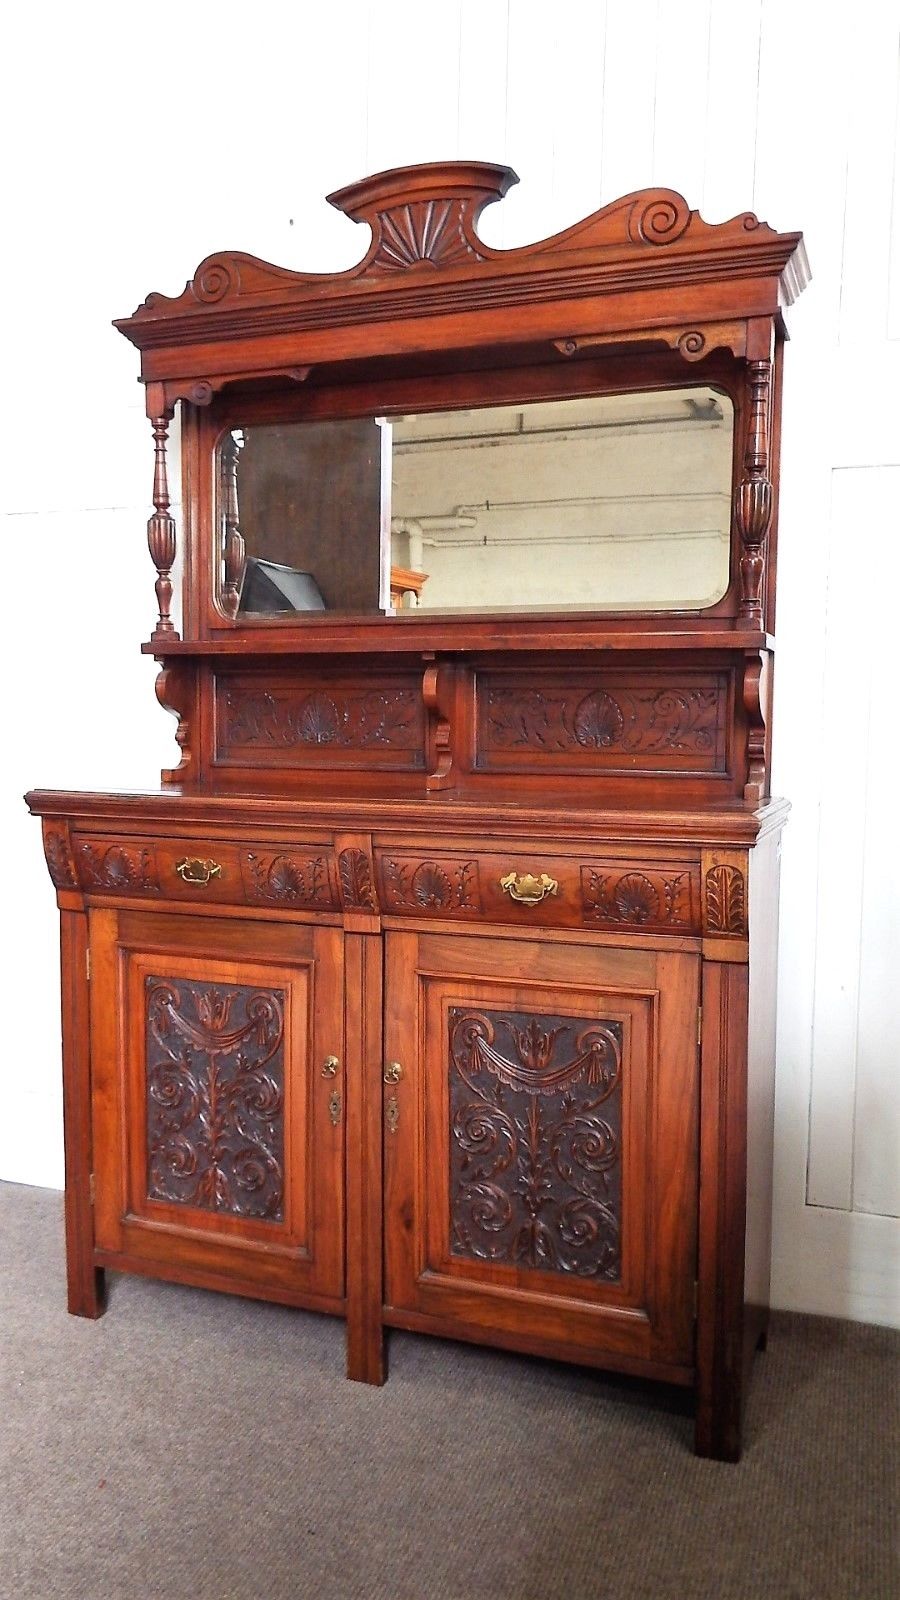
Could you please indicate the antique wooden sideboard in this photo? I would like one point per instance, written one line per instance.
(435, 986)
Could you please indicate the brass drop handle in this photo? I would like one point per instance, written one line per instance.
(193, 870)
(393, 1072)
(527, 889)
(330, 1067)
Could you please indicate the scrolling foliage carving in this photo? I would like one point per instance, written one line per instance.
(118, 868)
(535, 1167)
(287, 880)
(637, 898)
(341, 719)
(442, 886)
(682, 720)
(215, 1097)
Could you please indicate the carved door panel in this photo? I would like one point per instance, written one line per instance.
(217, 1059)
(541, 1145)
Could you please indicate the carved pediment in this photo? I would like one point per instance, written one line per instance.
(423, 224)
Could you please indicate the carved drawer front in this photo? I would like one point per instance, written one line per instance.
(542, 889)
(286, 877)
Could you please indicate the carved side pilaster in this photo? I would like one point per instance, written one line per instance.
(724, 894)
(754, 495)
(58, 853)
(357, 880)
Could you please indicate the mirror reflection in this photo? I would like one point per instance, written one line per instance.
(614, 502)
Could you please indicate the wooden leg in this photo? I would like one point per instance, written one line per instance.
(365, 1331)
(723, 1169)
(85, 1281)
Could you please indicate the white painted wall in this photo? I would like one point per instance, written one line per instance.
(135, 142)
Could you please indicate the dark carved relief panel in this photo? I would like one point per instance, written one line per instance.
(283, 722)
(443, 887)
(640, 897)
(583, 725)
(215, 1096)
(535, 1141)
(118, 868)
(726, 910)
(288, 880)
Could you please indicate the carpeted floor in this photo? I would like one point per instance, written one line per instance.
(194, 1447)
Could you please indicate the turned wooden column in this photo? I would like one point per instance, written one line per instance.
(161, 529)
(754, 494)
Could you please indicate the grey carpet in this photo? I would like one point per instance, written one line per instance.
(195, 1447)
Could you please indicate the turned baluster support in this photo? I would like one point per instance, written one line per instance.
(161, 529)
(754, 496)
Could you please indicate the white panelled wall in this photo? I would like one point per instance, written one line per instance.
(134, 146)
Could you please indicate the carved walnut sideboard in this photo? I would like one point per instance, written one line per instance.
(435, 986)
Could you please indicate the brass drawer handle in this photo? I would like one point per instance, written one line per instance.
(527, 889)
(393, 1072)
(193, 870)
(330, 1067)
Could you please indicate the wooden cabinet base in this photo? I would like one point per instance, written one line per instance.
(535, 1135)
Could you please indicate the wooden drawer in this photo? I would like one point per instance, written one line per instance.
(290, 877)
(542, 888)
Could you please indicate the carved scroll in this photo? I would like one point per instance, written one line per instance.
(215, 1097)
(754, 495)
(174, 691)
(535, 1164)
(439, 749)
(161, 530)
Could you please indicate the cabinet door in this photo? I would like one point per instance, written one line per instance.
(541, 1145)
(218, 1115)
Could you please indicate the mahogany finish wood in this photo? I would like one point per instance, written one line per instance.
(388, 1002)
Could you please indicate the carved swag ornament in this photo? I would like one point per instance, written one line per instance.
(215, 1097)
(535, 1177)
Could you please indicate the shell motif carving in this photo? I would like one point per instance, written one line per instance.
(683, 719)
(118, 869)
(637, 899)
(286, 880)
(426, 232)
(448, 886)
(351, 720)
(598, 721)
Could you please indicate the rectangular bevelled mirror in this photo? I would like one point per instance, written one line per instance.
(606, 503)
